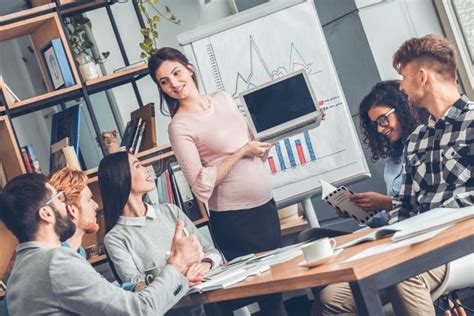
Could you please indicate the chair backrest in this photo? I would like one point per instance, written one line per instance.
(461, 274)
(318, 233)
(112, 267)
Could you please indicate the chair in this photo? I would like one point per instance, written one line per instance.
(461, 276)
(112, 267)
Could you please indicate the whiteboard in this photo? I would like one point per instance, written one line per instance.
(258, 45)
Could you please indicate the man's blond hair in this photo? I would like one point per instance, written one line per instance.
(431, 50)
(71, 181)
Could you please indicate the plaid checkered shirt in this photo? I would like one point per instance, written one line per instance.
(438, 164)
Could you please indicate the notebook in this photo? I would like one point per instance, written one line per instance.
(281, 108)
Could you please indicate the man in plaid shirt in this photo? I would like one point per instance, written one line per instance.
(439, 156)
(438, 168)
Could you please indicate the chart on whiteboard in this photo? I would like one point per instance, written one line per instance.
(241, 58)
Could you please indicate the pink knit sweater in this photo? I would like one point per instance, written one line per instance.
(202, 140)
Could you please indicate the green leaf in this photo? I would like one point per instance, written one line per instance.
(145, 31)
(156, 18)
(143, 55)
(167, 9)
(173, 18)
(143, 46)
(105, 54)
(148, 42)
(153, 1)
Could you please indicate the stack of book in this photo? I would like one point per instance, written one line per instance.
(140, 130)
(133, 135)
(173, 188)
(32, 164)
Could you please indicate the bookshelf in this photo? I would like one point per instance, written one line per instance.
(42, 23)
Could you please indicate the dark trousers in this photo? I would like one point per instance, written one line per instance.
(240, 232)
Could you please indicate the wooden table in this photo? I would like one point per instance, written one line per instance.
(366, 276)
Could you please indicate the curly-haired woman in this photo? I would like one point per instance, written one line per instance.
(386, 120)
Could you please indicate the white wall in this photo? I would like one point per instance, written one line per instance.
(192, 13)
(389, 23)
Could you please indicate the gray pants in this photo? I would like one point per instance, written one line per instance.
(410, 297)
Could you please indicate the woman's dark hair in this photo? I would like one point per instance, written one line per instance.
(387, 93)
(115, 182)
(155, 61)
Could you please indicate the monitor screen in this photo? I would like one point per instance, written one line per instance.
(279, 102)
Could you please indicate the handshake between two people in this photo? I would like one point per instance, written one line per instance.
(186, 255)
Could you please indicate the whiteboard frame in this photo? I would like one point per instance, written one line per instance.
(186, 39)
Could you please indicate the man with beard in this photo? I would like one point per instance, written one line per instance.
(438, 168)
(50, 279)
(82, 210)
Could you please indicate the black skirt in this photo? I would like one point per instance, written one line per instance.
(240, 232)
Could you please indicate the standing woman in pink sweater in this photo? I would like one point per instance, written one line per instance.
(220, 161)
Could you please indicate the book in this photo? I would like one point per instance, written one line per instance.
(26, 159)
(71, 158)
(189, 203)
(63, 155)
(126, 134)
(147, 113)
(3, 177)
(416, 225)
(33, 160)
(135, 135)
(133, 129)
(63, 62)
(339, 199)
(169, 189)
(132, 66)
(142, 129)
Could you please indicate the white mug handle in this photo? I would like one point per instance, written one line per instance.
(149, 278)
(333, 243)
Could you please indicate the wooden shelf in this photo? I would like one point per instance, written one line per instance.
(116, 79)
(68, 7)
(42, 30)
(47, 98)
(13, 166)
(24, 14)
(9, 153)
(7, 248)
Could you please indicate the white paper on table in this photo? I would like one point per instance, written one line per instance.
(394, 245)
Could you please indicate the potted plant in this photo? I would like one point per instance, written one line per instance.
(153, 15)
(78, 29)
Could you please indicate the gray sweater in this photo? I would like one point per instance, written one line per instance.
(137, 244)
(56, 280)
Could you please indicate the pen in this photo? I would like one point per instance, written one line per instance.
(185, 231)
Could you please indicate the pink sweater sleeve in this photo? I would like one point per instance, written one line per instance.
(201, 178)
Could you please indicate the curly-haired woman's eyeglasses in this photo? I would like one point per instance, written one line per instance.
(382, 120)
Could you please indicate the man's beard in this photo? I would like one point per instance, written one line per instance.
(91, 228)
(64, 227)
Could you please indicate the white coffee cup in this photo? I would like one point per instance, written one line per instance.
(319, 249)
(151, 274)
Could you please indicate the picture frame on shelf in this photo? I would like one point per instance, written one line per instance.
(456, 18)
(57, 65)
(67, 124)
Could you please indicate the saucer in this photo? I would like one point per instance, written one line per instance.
(320, 261)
